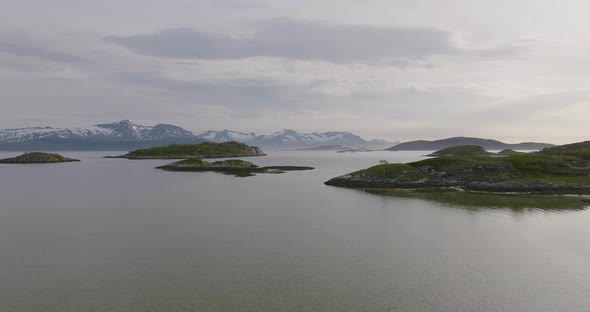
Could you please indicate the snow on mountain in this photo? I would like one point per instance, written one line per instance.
(35, 133)
(288, 138)
(118, 131)
(226, 136)
(118, 134)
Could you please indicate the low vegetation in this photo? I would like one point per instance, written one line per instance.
(37, 157)
(202, 150)
(506, 152)
(230, 163)
(580, 150)
(235, 167)
(558, 169)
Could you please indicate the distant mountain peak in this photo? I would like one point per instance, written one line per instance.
(289, 138)
(124, 133)
(119, 134)
(124, 122)
(227, 135)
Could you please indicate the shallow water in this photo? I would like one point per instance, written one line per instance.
(118, 235)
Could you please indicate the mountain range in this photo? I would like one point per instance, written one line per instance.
(291, 139)
(422, 145)
(125, 135)
(120, 135)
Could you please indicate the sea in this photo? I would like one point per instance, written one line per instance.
(120, 235)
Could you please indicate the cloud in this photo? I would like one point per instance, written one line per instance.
(296, 39)
(22, 45)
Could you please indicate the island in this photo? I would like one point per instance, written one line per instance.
(561, 169)
(202, 150)
(235, 167)
(423, 145)
(37, 158)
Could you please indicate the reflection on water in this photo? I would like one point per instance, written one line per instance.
(119, 235)
(479, 200)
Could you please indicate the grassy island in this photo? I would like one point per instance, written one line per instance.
(202, 150)
(236, 167)
(560, 169)
(37, 158)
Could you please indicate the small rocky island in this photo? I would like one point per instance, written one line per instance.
(37, 158)
(555, 170)
(202, 150)
(235, 167)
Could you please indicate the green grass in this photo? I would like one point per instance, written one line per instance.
(547, 164)
(229, 163)
(580, 150)
(391, 171)
(42, 156)
(454, 163)
(37, 157)
(192, 162)
(519, 167)
(204, 150)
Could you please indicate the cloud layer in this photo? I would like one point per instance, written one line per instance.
(395, 69)
(296, 39)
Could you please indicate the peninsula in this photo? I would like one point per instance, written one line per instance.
(37, 158)
(556, 170)
(422, 145)
(202, 150)
(231, 166)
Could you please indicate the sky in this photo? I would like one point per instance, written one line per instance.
(514, 70)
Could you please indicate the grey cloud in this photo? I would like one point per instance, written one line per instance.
(296, 39)
(23, 46)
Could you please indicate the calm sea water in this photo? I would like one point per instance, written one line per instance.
(118, 235)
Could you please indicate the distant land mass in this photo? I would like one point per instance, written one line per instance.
(125, 135)
(122, 135)
(325, 148)
(488, 144)
(291, 139)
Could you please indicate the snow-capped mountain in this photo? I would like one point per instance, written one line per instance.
(227, 136)
(125, 135)
(118, 135)
(290, 139)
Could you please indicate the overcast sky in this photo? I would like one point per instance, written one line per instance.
(514, 70)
